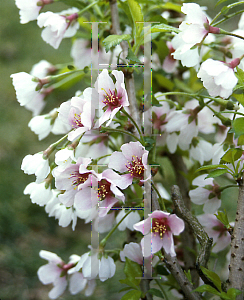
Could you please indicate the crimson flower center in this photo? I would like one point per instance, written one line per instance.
(103, 189)
(111, 99)
(158, 226)
(135, 167)
(77, 121)
(78, 178)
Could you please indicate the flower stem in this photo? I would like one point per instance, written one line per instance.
(104, 241)
(52, 147)
(87, 7)
(228, 17)
(231, 34)
(159, 196)
(227, 7)
(120, 131)
(133, 121)
(162, 290)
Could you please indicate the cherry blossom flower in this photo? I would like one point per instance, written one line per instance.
(201, 150)
(170, 64)
(105, 191)
(51, 273)
(71, 179)
(132, 159)
(164, 226)
(42, 69)
(79, 113)
(39, 193)
(29, 9)
(218, 77)
(36, 164)
(29, 91)
(193, 30)
(106, 266)
(43, 125)
(207, 193)
(129, 221)
(216, 230)
(112, 96)
(133, 251)
(58, 26)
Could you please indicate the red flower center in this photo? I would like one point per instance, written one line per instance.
(111, 99)
(103, 189)
(135, 167)
(77, 121)
(159, 226)
(78, 178)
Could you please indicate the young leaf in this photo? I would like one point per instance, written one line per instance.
(129, 283)
(238, 127)
(132, 295)
(113, 40)
(164, 28)
(212, 276)
(207, 288)
(137, 16)
(216, 173)
(222, 217)
(232, 293)
(210, 167)
(156, 292)
(232, 154)
(131, 56)
(132, 270)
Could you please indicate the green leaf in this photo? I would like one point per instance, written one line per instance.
(129, 283)
(216, 173)
(131, 56)
(125, 289)
(172, 6)
(223, 218)
(156, 292)
(210, 167)
(188, 275)
(137, 16)
(155, 102)
(150, 143)
(238, 127)
(132, 270)
(207, 288)
(240, 140)
(224, 10)
(164, 28)
(161, 270)
(232, 293)
(113, 40)
(240, 75)
(74, 3)
(132, 295)
(231, 155)
(213, 277)
(239, 98)
(224, 296)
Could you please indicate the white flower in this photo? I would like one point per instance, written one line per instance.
(36, 164)
(58, 26)
(192, 31)
(26, 92)
(105, 267)
(218, 78)
(43, 125)
(207, 193)
(39, 194)
(201, 150)
(29, 10)
(51, 272)
(133, 251)
(41, 69)
(129, 221)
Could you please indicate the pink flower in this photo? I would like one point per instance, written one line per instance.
(29, 9)
(207, 193)
(132, 159)
(78, 113)
(170, 64)
(163, 226)
(72, 179)
(216, 230)
(105, 191)
(58, 26)
(218, 77)
(112, 96)
(129, 221)
(134, 252)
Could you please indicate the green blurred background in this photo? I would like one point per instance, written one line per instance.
(25, 228)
